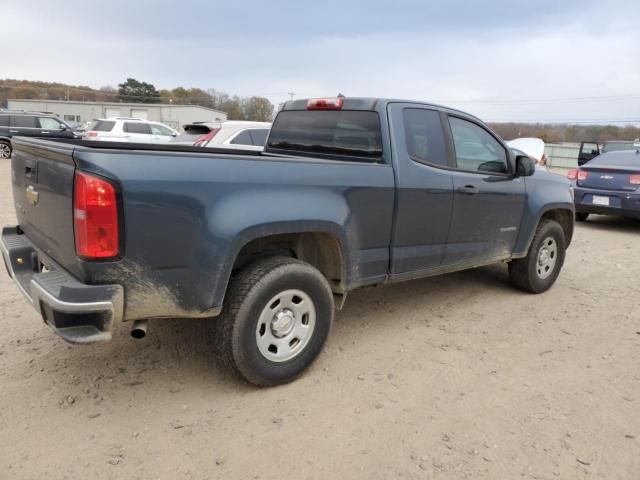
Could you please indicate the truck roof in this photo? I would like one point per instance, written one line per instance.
(371, 103)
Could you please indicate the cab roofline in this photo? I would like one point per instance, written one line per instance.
(369, 103)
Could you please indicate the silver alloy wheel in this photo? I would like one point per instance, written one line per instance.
(5, 150)
(285, 325)
(547, 257)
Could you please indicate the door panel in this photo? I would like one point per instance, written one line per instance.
(484, 224)
(424, 195)
(488, 200)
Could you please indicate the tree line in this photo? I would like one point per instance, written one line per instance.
(556, 133)
(134, 91)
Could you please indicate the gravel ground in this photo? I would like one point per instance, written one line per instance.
(459, 376)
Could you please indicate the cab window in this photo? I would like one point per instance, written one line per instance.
(476, 149)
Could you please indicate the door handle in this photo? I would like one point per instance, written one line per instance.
(469, 190)
(14, 131)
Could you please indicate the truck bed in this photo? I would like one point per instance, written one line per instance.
(185, 212)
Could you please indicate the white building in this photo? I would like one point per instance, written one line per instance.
(170, 114)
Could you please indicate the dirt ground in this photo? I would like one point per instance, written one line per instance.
(460, 376)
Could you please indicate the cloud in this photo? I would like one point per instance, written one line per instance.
(490, 60)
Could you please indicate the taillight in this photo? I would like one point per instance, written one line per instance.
(325, 103)
(634, 179)
(543, 160)
(203, 140)
(95, 217)
(572, 174)
(91, 134)
(582, 175)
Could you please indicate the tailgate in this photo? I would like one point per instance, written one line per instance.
(42, 177)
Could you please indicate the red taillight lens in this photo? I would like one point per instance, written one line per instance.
(91, 134)
(95, 217)
(543, 160)
(325, 103)
(572, 174)
(203, 140)
(634, 179)
(582, 175)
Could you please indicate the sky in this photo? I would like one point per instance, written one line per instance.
(518, 60)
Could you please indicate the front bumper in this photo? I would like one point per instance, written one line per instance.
(77, 312)
(626, 204)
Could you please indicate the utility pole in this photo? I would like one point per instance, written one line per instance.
(291, 94)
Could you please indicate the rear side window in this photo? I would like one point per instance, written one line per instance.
(476, 149)
(103, 126)
(136, 127)
(334, 133)
(259, 136)
(243, 138)
(424, 136)
(23, 121)
(4, 120)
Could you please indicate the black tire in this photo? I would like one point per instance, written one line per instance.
(5, 149)
(249, 295)
(581, 217)
(527, 273)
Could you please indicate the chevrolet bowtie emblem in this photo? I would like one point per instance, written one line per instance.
(32, 195)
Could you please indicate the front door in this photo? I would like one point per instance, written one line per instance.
(488, 200)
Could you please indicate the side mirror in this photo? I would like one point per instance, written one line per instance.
(525, 167)
(63, 128)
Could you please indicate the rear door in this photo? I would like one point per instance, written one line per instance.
(24, 126)
(488, 199)
(424, 196)
(138, 132)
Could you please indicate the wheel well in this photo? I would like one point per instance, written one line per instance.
(565, 219)
(322, 250)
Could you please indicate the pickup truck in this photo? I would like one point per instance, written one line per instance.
(349, 192)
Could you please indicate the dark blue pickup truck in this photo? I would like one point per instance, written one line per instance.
(348, 192)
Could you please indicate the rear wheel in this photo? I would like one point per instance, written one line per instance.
(581, 217)
(536, 272)
(5, 149)
(276, 318)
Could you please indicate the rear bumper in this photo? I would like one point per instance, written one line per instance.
(77, 312)
(626, 204)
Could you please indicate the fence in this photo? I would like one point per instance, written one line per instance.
(562, 155)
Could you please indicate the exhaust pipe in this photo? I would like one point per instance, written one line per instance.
(139, 329)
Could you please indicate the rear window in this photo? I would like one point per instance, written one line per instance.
(103, 126)
(332, 133)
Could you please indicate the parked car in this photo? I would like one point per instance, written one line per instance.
(614, 145)
(122, 129)
(532, 147)
(349, 192)
(230, 134)
(608, 185)
(30, 124)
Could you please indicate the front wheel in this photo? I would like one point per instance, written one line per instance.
(5, 149)
(536, 272)
(276, 318)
